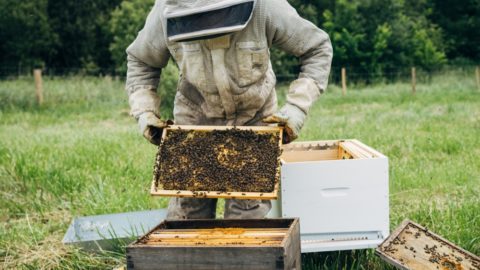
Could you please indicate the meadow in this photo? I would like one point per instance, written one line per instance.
(80, 153)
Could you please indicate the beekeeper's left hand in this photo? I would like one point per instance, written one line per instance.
(291, 118)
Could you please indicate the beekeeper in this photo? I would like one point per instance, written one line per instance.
(226, 78)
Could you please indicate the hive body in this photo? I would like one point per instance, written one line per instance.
(254, 244)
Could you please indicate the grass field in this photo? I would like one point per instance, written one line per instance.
(81, 154)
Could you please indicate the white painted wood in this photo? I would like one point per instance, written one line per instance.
(340, 245)
(334, 198)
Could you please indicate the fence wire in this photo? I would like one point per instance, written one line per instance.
(354, 75)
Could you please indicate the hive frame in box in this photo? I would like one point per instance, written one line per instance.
(155, 191)
(424, 250)
(188, 244)
(339, 190)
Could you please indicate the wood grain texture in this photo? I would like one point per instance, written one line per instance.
(217, 237)
(327, 150)
(413, 247)
(179, 254)
(37, 74)
(344, 81)
(155, 191)
(310, 155)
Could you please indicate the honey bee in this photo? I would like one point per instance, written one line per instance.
(188, 160)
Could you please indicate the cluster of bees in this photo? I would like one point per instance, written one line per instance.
(230, 160)
(447, 261)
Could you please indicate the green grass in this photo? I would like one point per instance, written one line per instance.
(81, 154)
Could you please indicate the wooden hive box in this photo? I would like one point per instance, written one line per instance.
(339, 181)
(241, 244)
(218, 162)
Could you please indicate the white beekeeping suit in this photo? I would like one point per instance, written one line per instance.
(226, 77)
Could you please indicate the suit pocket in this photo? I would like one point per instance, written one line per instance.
(193, 67)
(252, 59)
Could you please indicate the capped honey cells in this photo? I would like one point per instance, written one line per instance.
(415, 247)
(231, 160)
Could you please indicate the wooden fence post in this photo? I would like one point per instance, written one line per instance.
(477, 74)
(37, 74)
(344, 81)
(414, 80)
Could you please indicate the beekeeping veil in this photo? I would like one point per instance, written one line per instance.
(202, 19)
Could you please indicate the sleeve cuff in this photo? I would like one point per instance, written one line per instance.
(302, 93)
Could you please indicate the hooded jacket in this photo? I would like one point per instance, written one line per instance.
(227, 79)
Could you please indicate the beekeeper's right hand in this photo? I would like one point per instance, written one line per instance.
(152, 127)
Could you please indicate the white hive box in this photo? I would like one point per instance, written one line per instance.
(339, 190)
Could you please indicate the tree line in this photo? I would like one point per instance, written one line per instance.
(374, 36)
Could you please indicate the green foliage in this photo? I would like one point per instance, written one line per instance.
(426, 52)
(83, 33)
(285, 66)
(127, 20)
(26, 37)
(460, 22)
(61, 34)
(372, 37)
(344, 27)
(375, 37)
(381, 38)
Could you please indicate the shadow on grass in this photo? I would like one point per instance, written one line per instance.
(348, 260)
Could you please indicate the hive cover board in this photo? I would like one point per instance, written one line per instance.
(107, 231)
(234, 244)
(413, 247)
(218, 162)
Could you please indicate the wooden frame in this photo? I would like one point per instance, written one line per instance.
(353, 150)
(412, 251)
(183, 226)
(328, 150)
(157, 191)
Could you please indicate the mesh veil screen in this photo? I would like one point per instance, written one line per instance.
(226, 17)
